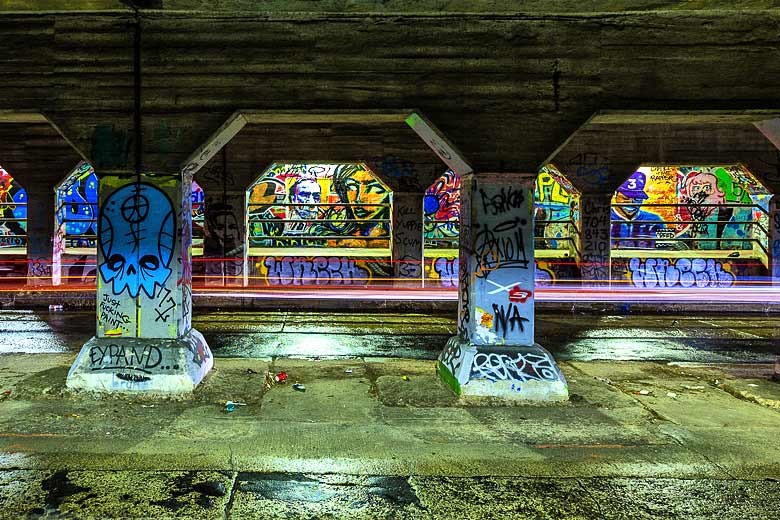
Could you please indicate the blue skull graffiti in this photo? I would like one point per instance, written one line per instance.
(137, 238)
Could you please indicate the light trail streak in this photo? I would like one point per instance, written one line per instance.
(735, 295)
(757, 294)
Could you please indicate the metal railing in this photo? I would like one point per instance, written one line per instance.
(12, 242)
(330, 235)
(441, 242)
(756, 233)
(570, 240)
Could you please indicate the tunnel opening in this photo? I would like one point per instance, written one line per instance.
(317, 224)
(13, 230)
(75, 227)
(692, 226)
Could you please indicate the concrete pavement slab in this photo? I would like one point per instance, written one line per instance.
(342, 423)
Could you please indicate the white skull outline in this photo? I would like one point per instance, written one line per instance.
(137, 238)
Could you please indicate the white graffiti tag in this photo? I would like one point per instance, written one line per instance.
(519, 368)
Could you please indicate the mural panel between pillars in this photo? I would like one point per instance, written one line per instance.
(40, 232)
(494, 355)
(144, 338)
(774, 239)
(223, 242)
(407, 238)
(595, 216)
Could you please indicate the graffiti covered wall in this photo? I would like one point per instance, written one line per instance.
(75, 225)
(444, 271)
(690, 208)
(688, 272)
(13, 213)
(318, 270)
(556, 211)
(143, 234)
(198, 201)
(441, 209)
(556, 218)
(319, 205)
(501, 266)
(76, 210)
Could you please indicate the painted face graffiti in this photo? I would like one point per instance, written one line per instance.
(363, 188)
(305, 191)
(137, 236)
(701, 188)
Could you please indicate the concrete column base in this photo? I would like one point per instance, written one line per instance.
(142, 365)
(502, 373)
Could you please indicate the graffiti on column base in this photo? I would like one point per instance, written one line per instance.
(197, 347)
(320, 270)
(681, 272)
(452, 356)
(518, 367)
(129, 358)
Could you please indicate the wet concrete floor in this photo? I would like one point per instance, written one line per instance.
(577, 336)
(383, 438)
(377, 435)
(207, 495)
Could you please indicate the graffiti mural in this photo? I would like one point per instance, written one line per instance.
(441, 212)
(198, 218)
(444, 271)
(556, 218)
(503, 270)
(13, 213)
(319, 205)
(556, 211)
(690, 208)
(137, 239)
(681, 272)
(686, 272)
(319, 270)
(76, 225)
(144, 244)
(76, 203)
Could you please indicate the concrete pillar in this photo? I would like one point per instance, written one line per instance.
(774, 239)
(40, 234)
(223, 242)
(57, 251)
(145, 341)
(407, 244)
(595, 228)
(494, 355)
